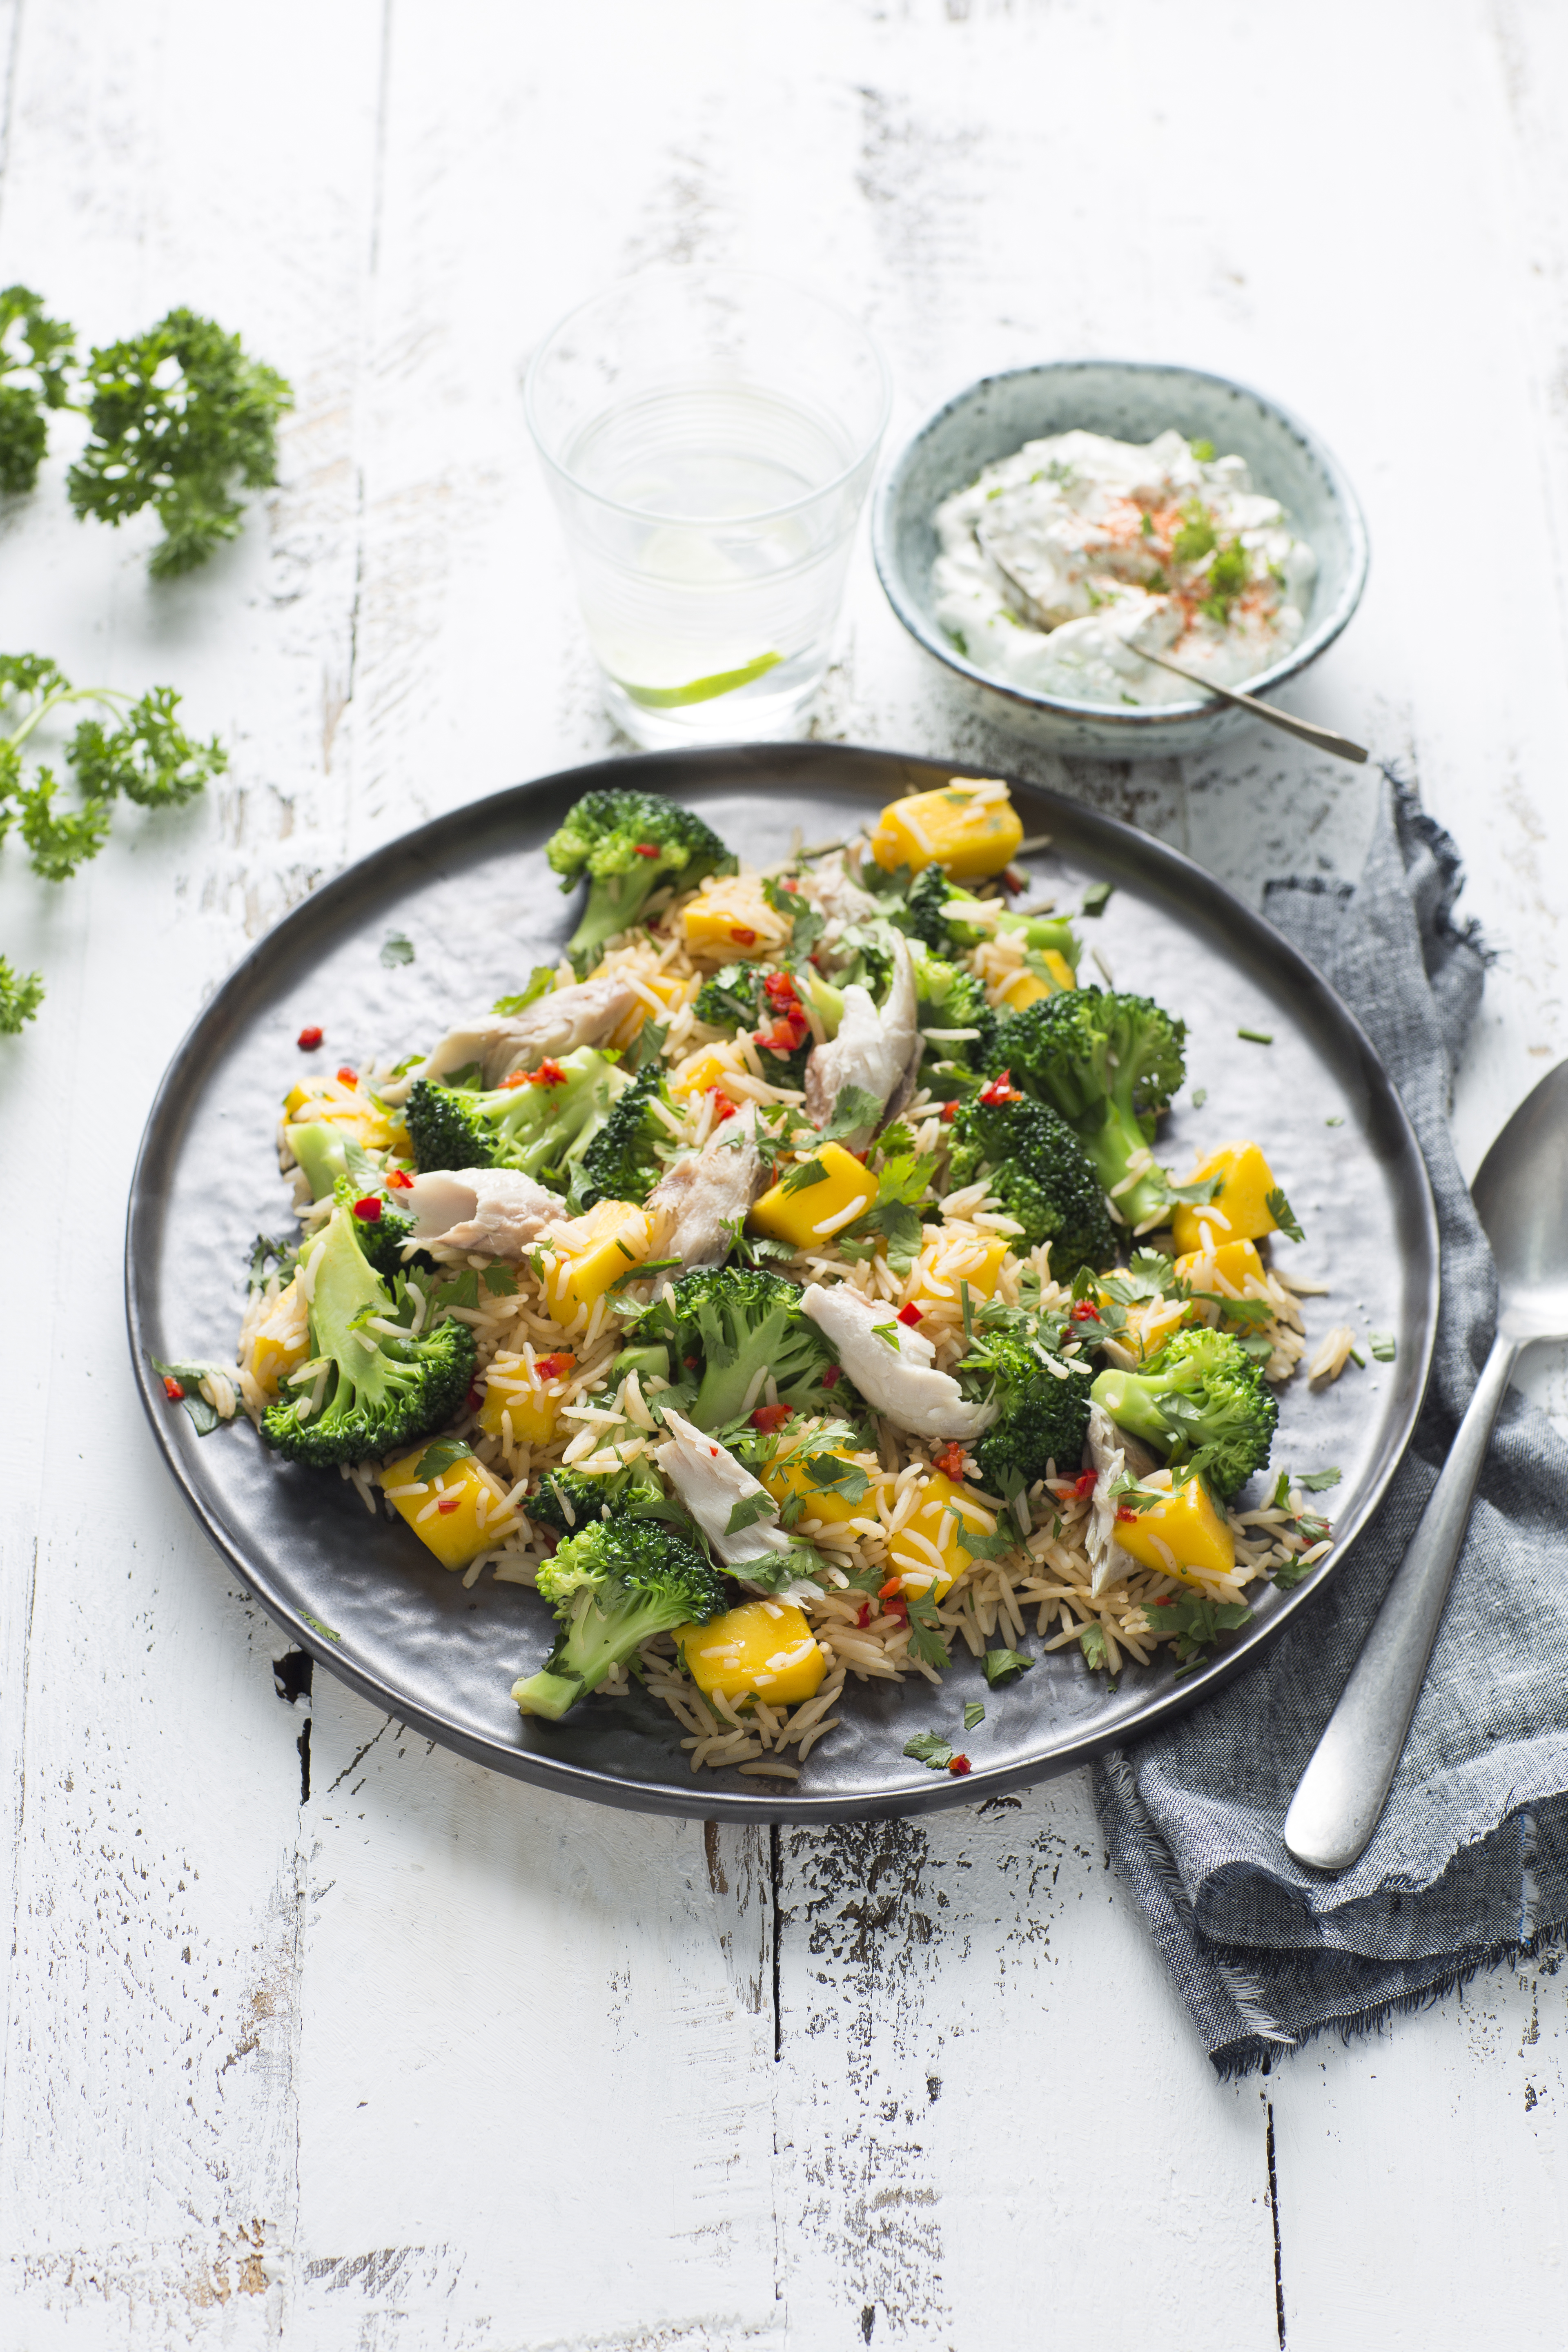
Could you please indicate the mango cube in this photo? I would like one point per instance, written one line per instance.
(971, 829)
(982, 1278)
(670, 993)
(512, 1391)
(457, 1515)
(353, 1109)
(928, 1551)
(696, 1076)
(1026, 986)
(1175, 1537)
(592, 1253)
(1231, 1264)
(763, 1649)
(812, 1215)
(787, 1477)
(729, 917)
(280, 1343)
(1239, 1211)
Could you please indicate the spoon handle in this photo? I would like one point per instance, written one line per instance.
(1340, 1794)
(1323, 738)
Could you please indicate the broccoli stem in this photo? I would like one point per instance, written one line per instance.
(1111, 1146)
(1130, 1400)
(547, 1693)
(616, 902)
(592, 1643)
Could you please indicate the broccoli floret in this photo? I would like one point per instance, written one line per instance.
(570, 1500)
(612, 1585)
(948, 997)
(622, 1162)
(1044, 1418)
(381, 1392)
(543, 1126)
(609, 838)
(380, 1237)
(734, 1326)
(1039, 1172)
(949, 920)
(1202, 1402)
(1108, 1063)
(729, 1001)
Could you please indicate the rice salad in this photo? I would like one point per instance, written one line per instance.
(786, 1287)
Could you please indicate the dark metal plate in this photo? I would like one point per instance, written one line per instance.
(480, 908)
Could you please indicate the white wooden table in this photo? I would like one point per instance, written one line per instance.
(421, 2058)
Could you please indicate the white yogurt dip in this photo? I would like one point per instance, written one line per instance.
(1110, 545)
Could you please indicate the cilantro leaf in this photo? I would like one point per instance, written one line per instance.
(856, 1107)
(440, 1456)
(397, 949)
(179, 415)
(803, 1175)
(499, 1281)
(540, 980)
(1317, 1482)
(926, 1641)
(1196, 1621)
(1280, 1209)
(829, 1473)
(749, 1510)
(999, 1663)
(930, 1747)
(974, 1713)
(1091, 1641)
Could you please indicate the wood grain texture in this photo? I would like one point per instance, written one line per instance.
(312, 2034)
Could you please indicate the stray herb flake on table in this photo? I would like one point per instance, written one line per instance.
(999, 1663)
(396, 949)
(1096, 897)
(1257, 1037)
(1384, 1345)
(974, 1713)
(929, 1747)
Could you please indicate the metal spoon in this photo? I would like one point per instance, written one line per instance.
(1522, 1205)
(1322, 739)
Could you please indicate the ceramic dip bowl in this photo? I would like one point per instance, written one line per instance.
(1131, 400)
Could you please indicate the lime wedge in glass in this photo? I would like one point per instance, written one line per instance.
(700, 689)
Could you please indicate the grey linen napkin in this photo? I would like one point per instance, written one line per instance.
(1469, 1863)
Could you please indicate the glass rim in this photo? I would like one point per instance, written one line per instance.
(678, 271)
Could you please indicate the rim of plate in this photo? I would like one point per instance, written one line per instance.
(710, 767)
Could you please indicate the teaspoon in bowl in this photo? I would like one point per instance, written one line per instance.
(1522, 1205)
(1322, 739)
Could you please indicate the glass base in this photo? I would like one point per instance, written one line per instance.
(761, 713)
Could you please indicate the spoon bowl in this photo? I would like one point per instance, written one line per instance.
(1522, 1205)
(1522, 1199)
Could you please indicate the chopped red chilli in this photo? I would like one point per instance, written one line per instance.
(894, 1584)
(1123, 1512)
(864, 1619)
(646, 849)
(369, 1210)
(830, 1376)
(948, 1113)
(449, 1501)
(475, 1400)
(550, 1368)
(910, 1314)
(549, 1074)
(959, 1764)
(309, 1039)
(518, 1078)
(172, 1389)
(347, 1078)
(769, 1417)
(1083, 1486)
(1084, 1310)
(743, 936)
(1000, 1089)
(399, 1180)
(950, 1460)
(723, 1107)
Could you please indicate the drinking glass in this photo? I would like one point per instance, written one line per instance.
(709, 437)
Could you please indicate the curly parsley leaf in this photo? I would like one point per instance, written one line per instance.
(148, 758)
(21, 994)
(180, 415)
(58, 840)
(35, 353)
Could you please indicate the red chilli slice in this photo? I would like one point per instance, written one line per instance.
(830, 1376)
(769, 1417)
(1000, 1089)
(1083, 1486)
(399, 1180)
(864, 1619)
(910, 1314)
(368, 1210)
(448, 1503)
(549, 1074)
(743, 936)
(309, 1039)
(948, 1113)
(723, 1107)
(347, 1078)
(961, 1765)
(172, 1389)
(646, 849)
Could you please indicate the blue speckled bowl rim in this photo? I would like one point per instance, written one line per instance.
(1149, 721)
